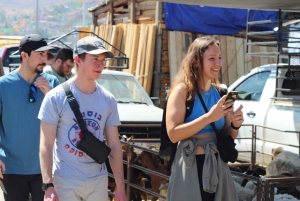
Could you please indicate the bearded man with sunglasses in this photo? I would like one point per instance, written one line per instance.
(21, 94)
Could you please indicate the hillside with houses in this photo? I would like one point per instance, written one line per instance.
(55, 17)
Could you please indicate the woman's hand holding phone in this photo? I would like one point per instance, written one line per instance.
(231, 97)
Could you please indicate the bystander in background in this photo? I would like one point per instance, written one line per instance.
(21, 94)
(62, 66)
(50, 59)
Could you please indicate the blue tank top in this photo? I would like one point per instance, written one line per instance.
(210, 99)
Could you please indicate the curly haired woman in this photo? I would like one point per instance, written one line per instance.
(198, 172)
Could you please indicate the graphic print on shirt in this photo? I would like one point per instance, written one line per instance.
(75, 134)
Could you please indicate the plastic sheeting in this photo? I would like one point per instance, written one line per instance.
(212, 20)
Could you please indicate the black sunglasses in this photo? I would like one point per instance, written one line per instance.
(32, 96)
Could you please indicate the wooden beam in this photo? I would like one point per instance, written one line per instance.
(231, 58)
(107, 18)
(102, 15)
(119, 2)
(94, 19)
(105, 8)
(92, 28)
(118, 21)
(240, 59)
(109, 35)
(134, 49)
(178, 49)
(101, 10)
(156, 89)
(119, 9)
(172, 54)
(120, 16)
(146, 20)
(132, 12)
(125, 15)
(114, 35)
(142, 70)
(224, 69)
(146, 16)
(119, 40)
(140, 51)
(139, 1)
(150, 58)
(146, 7)
(147, 3)
(146, 12)
(96, 30)
(111, 13)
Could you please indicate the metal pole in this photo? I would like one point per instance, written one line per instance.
(128, 171)
(37, 17)
(83, 13)
(253, 151)
(247, 31)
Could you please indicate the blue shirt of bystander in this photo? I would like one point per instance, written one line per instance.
(19, 125)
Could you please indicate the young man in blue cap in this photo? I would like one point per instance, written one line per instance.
(76, 176)
(21, 94)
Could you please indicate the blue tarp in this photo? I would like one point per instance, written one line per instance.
(212, 20)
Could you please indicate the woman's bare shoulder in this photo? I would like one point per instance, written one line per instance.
(180, 89)
(178, 94)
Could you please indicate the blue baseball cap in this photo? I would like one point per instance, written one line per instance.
(91, 45)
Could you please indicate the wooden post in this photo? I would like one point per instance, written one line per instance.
(111, 13)
(132, 12)
(158, 51)
(95, 19)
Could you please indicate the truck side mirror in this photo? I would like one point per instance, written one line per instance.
(224, 86)
(156, 101)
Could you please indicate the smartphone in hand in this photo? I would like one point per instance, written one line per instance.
(231, 97)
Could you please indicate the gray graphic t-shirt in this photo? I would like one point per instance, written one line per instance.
(99, 111)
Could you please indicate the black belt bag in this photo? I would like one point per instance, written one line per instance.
(93, 147)
(89, 144)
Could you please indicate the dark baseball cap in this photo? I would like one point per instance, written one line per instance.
(33, 42)
(91, 45)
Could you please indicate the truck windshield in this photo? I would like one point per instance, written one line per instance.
(252, 87)
(126, 89)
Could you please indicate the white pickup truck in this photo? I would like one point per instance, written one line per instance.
(270, 95)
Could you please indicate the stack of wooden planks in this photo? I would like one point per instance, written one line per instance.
(137, 41)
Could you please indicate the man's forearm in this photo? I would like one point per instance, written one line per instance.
(46, 160)
(116, 164)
